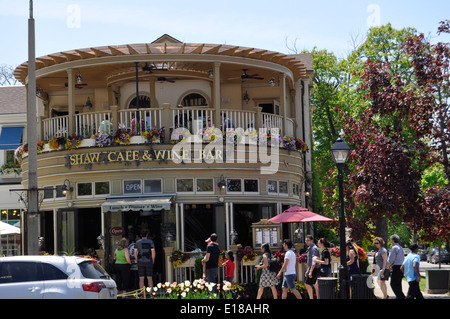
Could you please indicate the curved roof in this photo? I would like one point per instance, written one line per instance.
(163, 52)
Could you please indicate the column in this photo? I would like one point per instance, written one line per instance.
(216, 94)
(283, 102)
(71, 102)
(153, 103)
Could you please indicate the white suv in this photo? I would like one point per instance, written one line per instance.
(50, 277)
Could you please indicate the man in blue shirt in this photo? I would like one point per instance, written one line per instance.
(410, 268)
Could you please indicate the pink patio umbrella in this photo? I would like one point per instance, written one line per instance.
(297, 214)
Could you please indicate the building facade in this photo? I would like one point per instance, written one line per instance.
(181, 139)
(13, 119)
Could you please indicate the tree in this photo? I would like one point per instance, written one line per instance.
(7, 76)
(430, 113)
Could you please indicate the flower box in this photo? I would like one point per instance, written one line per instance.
(137, 139)
(87, 142)
(254, 262)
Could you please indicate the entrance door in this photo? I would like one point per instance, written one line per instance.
(67, 234)
(134, 222)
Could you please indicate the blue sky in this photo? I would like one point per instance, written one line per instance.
(325, 24)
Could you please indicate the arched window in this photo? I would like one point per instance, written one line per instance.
(144, 102)
(194, 99)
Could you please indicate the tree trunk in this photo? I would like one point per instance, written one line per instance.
(381, 229)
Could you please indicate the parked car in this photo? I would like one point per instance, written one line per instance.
(444, 257)
(423, 254)
(431, 253)
(54, 277)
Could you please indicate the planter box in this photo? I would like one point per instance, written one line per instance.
(437, 281)
(87, 142)
(252, 263)
(137, 139)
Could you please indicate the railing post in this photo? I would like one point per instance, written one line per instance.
(258, 118)
(168, 265)
(234, 249)
(114, 117)
(166, 121)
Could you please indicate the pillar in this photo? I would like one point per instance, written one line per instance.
(71, 102)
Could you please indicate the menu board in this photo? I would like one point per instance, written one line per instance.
(266, 235)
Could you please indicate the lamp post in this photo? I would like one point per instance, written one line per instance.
(340, 152)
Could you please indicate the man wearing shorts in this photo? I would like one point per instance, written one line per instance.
(289, 271)
(144, 253)
(313, 271)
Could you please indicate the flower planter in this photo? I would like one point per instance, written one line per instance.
(137, 139)
(253, 262)
(189, 263)
(87, 142)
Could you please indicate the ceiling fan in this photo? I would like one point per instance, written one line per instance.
(150, 67)
(164, 79)
(246, 76)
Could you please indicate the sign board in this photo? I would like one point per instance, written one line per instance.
(266, 232)
(116, 231)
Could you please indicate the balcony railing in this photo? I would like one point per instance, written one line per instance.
(139, 121)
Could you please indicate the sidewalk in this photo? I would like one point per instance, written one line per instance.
(405, 286)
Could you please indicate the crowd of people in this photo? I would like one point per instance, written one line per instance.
(391, 265)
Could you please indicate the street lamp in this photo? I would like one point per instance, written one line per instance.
(340, 152)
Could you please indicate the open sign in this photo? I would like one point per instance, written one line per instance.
(116, 231)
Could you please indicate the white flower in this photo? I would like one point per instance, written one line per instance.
(158, 285)
(183, 294)
(148, 289)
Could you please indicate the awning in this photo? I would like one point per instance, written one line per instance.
(11, 137)
(125, 203)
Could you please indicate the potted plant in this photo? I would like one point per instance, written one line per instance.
(103, 139)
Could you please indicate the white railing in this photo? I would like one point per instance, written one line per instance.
(138, 121)
(88, 124)
(187, 272)
(148, 118)
(56, 126)
(185, 117)
(272, 121)
(234, 119)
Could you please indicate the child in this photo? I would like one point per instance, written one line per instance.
(229, 264)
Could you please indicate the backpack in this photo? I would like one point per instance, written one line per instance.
(274, 264)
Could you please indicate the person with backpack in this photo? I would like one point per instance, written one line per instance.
(268, 278)
(288, 268)
(144, 253)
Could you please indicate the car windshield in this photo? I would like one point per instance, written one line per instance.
(92, 270)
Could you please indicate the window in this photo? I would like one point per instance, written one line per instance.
(194, 99)
(20, 272)
(84, 189)
(205, 185)
(132, 187)
(48, 192)
(101, 188)
(251, 185)
(272, 186)
(52, 273)
(144, 102)
(234, 185)
(283, 187)
(152, 186)
(185, 185)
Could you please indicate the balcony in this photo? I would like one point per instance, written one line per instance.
(88, 124)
